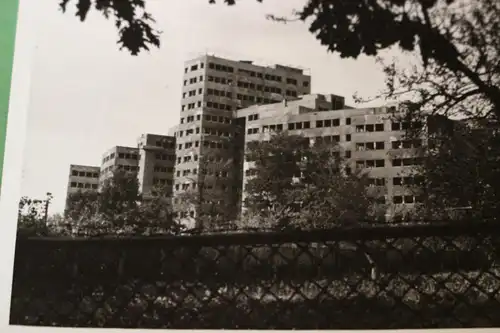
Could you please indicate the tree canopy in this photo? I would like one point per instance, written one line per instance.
(297, 184)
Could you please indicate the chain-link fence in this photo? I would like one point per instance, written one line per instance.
(359, 278)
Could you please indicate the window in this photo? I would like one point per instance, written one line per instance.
(379, 163)
(360, 128)
(408, 199)
(348, 121)
(73, 184)
(348, 137)
(74, 173)
(319, 123)
(397, 181)
(397, 199)
(291, 126)
(379, 145)
(305, 83)
(397, 162)
(307, 124)
(395, 126)
(379, 127)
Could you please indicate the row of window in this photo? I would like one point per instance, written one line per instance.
(407, 199)
(165, 144)
(269, 77)
(272, 77)
(83, 185)
(377, 163)
(370, 128)
(188, 145)
(189, 132)
(219, 106)
(191, 106)
(126, 156)
(85, 174)
(216, 132)
(362, 146)
(218, 119)
(164, 169)
(127, 167)
(192, 93)
(186, 159)
(260, 100)
(220, 80)
(164, 157)
(219, 93)
(194, 67)
(187, 186)
(162, 181)
(380, 163)
(221, 68)
(253, 117)
(193, 80)
(190, 119)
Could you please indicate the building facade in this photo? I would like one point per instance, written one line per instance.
(82, 178)
(156, 163)
(213, 90)
(119, 158)
(370, 139)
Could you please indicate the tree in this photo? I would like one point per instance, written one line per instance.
(275, 164)
(156, 215)
(33, 215)
(460, 171)
(118, 196)
(81, 203)
(303, 185)
(209, 193)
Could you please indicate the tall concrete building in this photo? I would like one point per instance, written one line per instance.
(213, 89)
(156, 163)
(119, 158)
(370, 139)
(83, 178)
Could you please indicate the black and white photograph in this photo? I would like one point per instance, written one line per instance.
(261, 164)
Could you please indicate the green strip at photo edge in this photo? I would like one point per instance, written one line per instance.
(8, 22)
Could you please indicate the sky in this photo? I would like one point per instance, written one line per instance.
(88, 96)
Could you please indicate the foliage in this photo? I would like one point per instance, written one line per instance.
(457, 70)
(212, 199)
(119, 209)
(301, 185)
(460, 171)
(32, 216)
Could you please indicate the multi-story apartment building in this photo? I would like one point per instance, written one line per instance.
(213, 89)
(156, 163)
(152, 160)
(119, 158)
(83, 178)
(370, 139)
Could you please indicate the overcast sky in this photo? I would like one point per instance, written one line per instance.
(88, 96)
